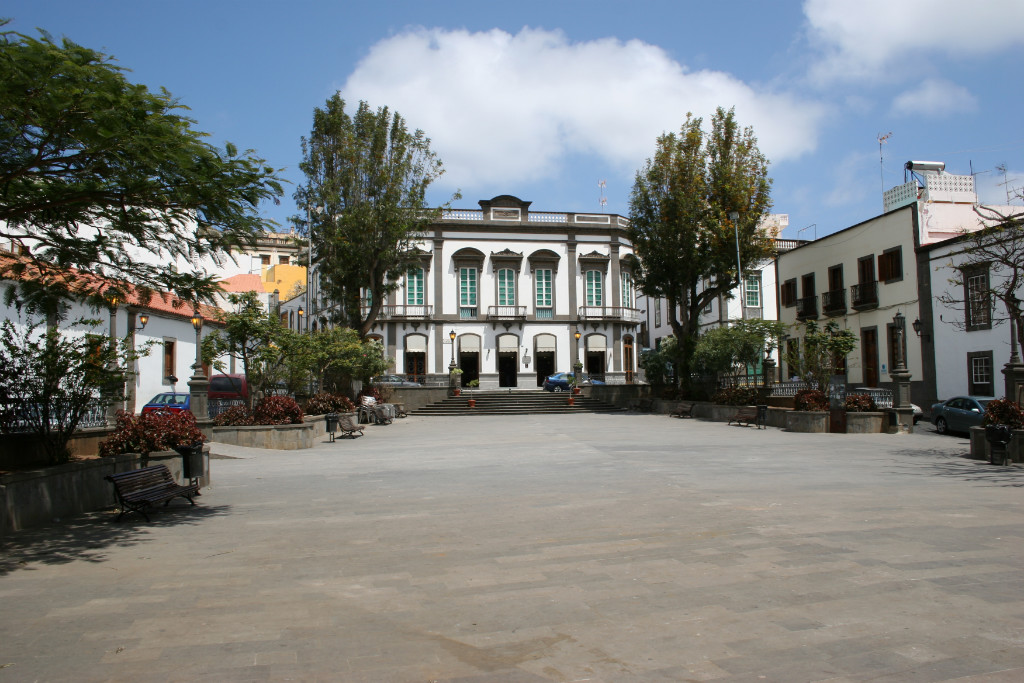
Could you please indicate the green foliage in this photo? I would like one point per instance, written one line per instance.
(160, 431)
(821, 352)
(249, 335)
(48, 380)
(721, 349)
(364, 203)
(1003, 411)
(736, 396)
(860, 403)
(657, 363)
(81, 147)
(679, 221)
(473, 383)
(811, 400)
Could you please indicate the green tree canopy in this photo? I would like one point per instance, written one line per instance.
(822, 351)
(364, 200)
(94, 168)
(679, 220)
(722, 349)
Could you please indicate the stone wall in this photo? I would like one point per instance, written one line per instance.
(277, 437)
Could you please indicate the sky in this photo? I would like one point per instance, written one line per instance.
(544, 100)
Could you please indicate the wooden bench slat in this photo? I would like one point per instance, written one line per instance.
(138, 489)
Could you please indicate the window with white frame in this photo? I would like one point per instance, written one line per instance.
(542, 287)
(627, 290)
(414, 287)
(506, 287)
(978, 298)
(467, 293)
(752, 292)
(979, 373)
(594, 288)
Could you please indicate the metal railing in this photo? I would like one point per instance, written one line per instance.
(219, 405)
(807, 307)
(95, 416)
(403, 312)
(506, 312)
(622, 313)
(834, 301)
(864, 294)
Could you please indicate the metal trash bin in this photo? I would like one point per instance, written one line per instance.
(191, 461)
(762, 416)
(331, 420)
(998, 437)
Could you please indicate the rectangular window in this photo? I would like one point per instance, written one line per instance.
(979, 374)
(283, 260)
(265, 259)
(890, 265)
(467, 293)
(542, 286)
(657, 312)
(506, 287)
(865, 270)
(168, 358)
(788, 293)
(627, 290)
(977, 299)
(594, 288)
(835, 278)
(414, 287)
(752, 292)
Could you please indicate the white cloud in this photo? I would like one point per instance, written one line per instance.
(512, 108)
(935, 98)
(864, 39)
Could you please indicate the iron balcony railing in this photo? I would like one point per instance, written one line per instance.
(807, 307)
(834, 302)
(618, 313)
(864, 295)
(506, 312)
(404, 312)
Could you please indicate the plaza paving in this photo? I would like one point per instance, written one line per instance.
(545, 548)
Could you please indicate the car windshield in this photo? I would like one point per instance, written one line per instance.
(169, 399)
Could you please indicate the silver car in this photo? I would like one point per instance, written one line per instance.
(959, 414)
(394, 381)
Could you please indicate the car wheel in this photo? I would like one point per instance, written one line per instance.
(556, 388)
(940, 426)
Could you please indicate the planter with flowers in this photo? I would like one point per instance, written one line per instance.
(1006, 413)
(810, 414)
(863, 415)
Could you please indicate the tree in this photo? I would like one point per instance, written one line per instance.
(721, 349)
(364, 200)
(992, 270)
(679, 220)
(95, 169)
(822, 352)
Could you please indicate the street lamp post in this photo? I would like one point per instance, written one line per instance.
(451, 366)
(901, 379)
(198, 384)
(734, 216)
(578, 365)
(113, 401)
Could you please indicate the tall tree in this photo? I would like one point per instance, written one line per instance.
(364, 203)
(679, 220)
(95, 169)
(991, 270)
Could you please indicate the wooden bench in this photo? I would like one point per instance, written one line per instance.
(746, 415)
(139, 489)
(684, 409)
(347, 427)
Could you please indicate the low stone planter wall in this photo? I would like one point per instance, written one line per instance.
(276, 437)
(806, 421)
(865, 423)
(36, 497)
(979, 445)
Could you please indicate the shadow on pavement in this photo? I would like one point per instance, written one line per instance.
(86, 537)
(939, 463)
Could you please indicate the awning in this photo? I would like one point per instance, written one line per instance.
(469, 343)
(545, 342)
(416, 342)
(596, 342)
(508, 342)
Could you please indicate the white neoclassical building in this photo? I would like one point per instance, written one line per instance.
(515, 286)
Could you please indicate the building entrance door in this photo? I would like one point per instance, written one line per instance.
(869, 356)
(627, 358)
(595, 365)
(415, 366)
(508, 368)
(545, 365)
(469, 363)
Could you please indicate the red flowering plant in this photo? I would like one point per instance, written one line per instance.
(152, 432)
(323, 403)
(811, 400)
(277, 410)
(1003, 411)
(736, 396)
(860, 403)
(235, 416)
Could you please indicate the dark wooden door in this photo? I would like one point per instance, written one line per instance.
(869, 356)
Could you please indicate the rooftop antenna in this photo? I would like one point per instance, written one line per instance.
(1006, 182)
(882, 139)
(603, 201)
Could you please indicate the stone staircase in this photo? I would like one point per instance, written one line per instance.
(537, 402)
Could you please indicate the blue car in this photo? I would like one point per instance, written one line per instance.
(560, 381)
(959, 414)
(167, 403)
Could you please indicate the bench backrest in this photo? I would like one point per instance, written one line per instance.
(145, 478)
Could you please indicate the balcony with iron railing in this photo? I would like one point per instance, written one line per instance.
(506, 313)
(834, 302)
(864, 295)
(403, 312)
(807, 308)
(615, 313)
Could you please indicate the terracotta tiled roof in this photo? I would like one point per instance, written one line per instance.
(245, 282)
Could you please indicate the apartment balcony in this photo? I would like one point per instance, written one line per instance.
(807, 308)
(513, 313)
(834, 302)
(864, 295)
(403, 312)
(619, 314)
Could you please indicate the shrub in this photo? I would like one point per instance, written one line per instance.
(860, 403)
(811, 400)
(277, 410)
(1003, 411)
(736, 396)
(323, 403)
(152, 432)
(235, 416)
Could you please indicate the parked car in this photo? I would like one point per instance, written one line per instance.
(167, 403)
(228, 386)
(560, 381)
(959, 414)
(394, 381)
